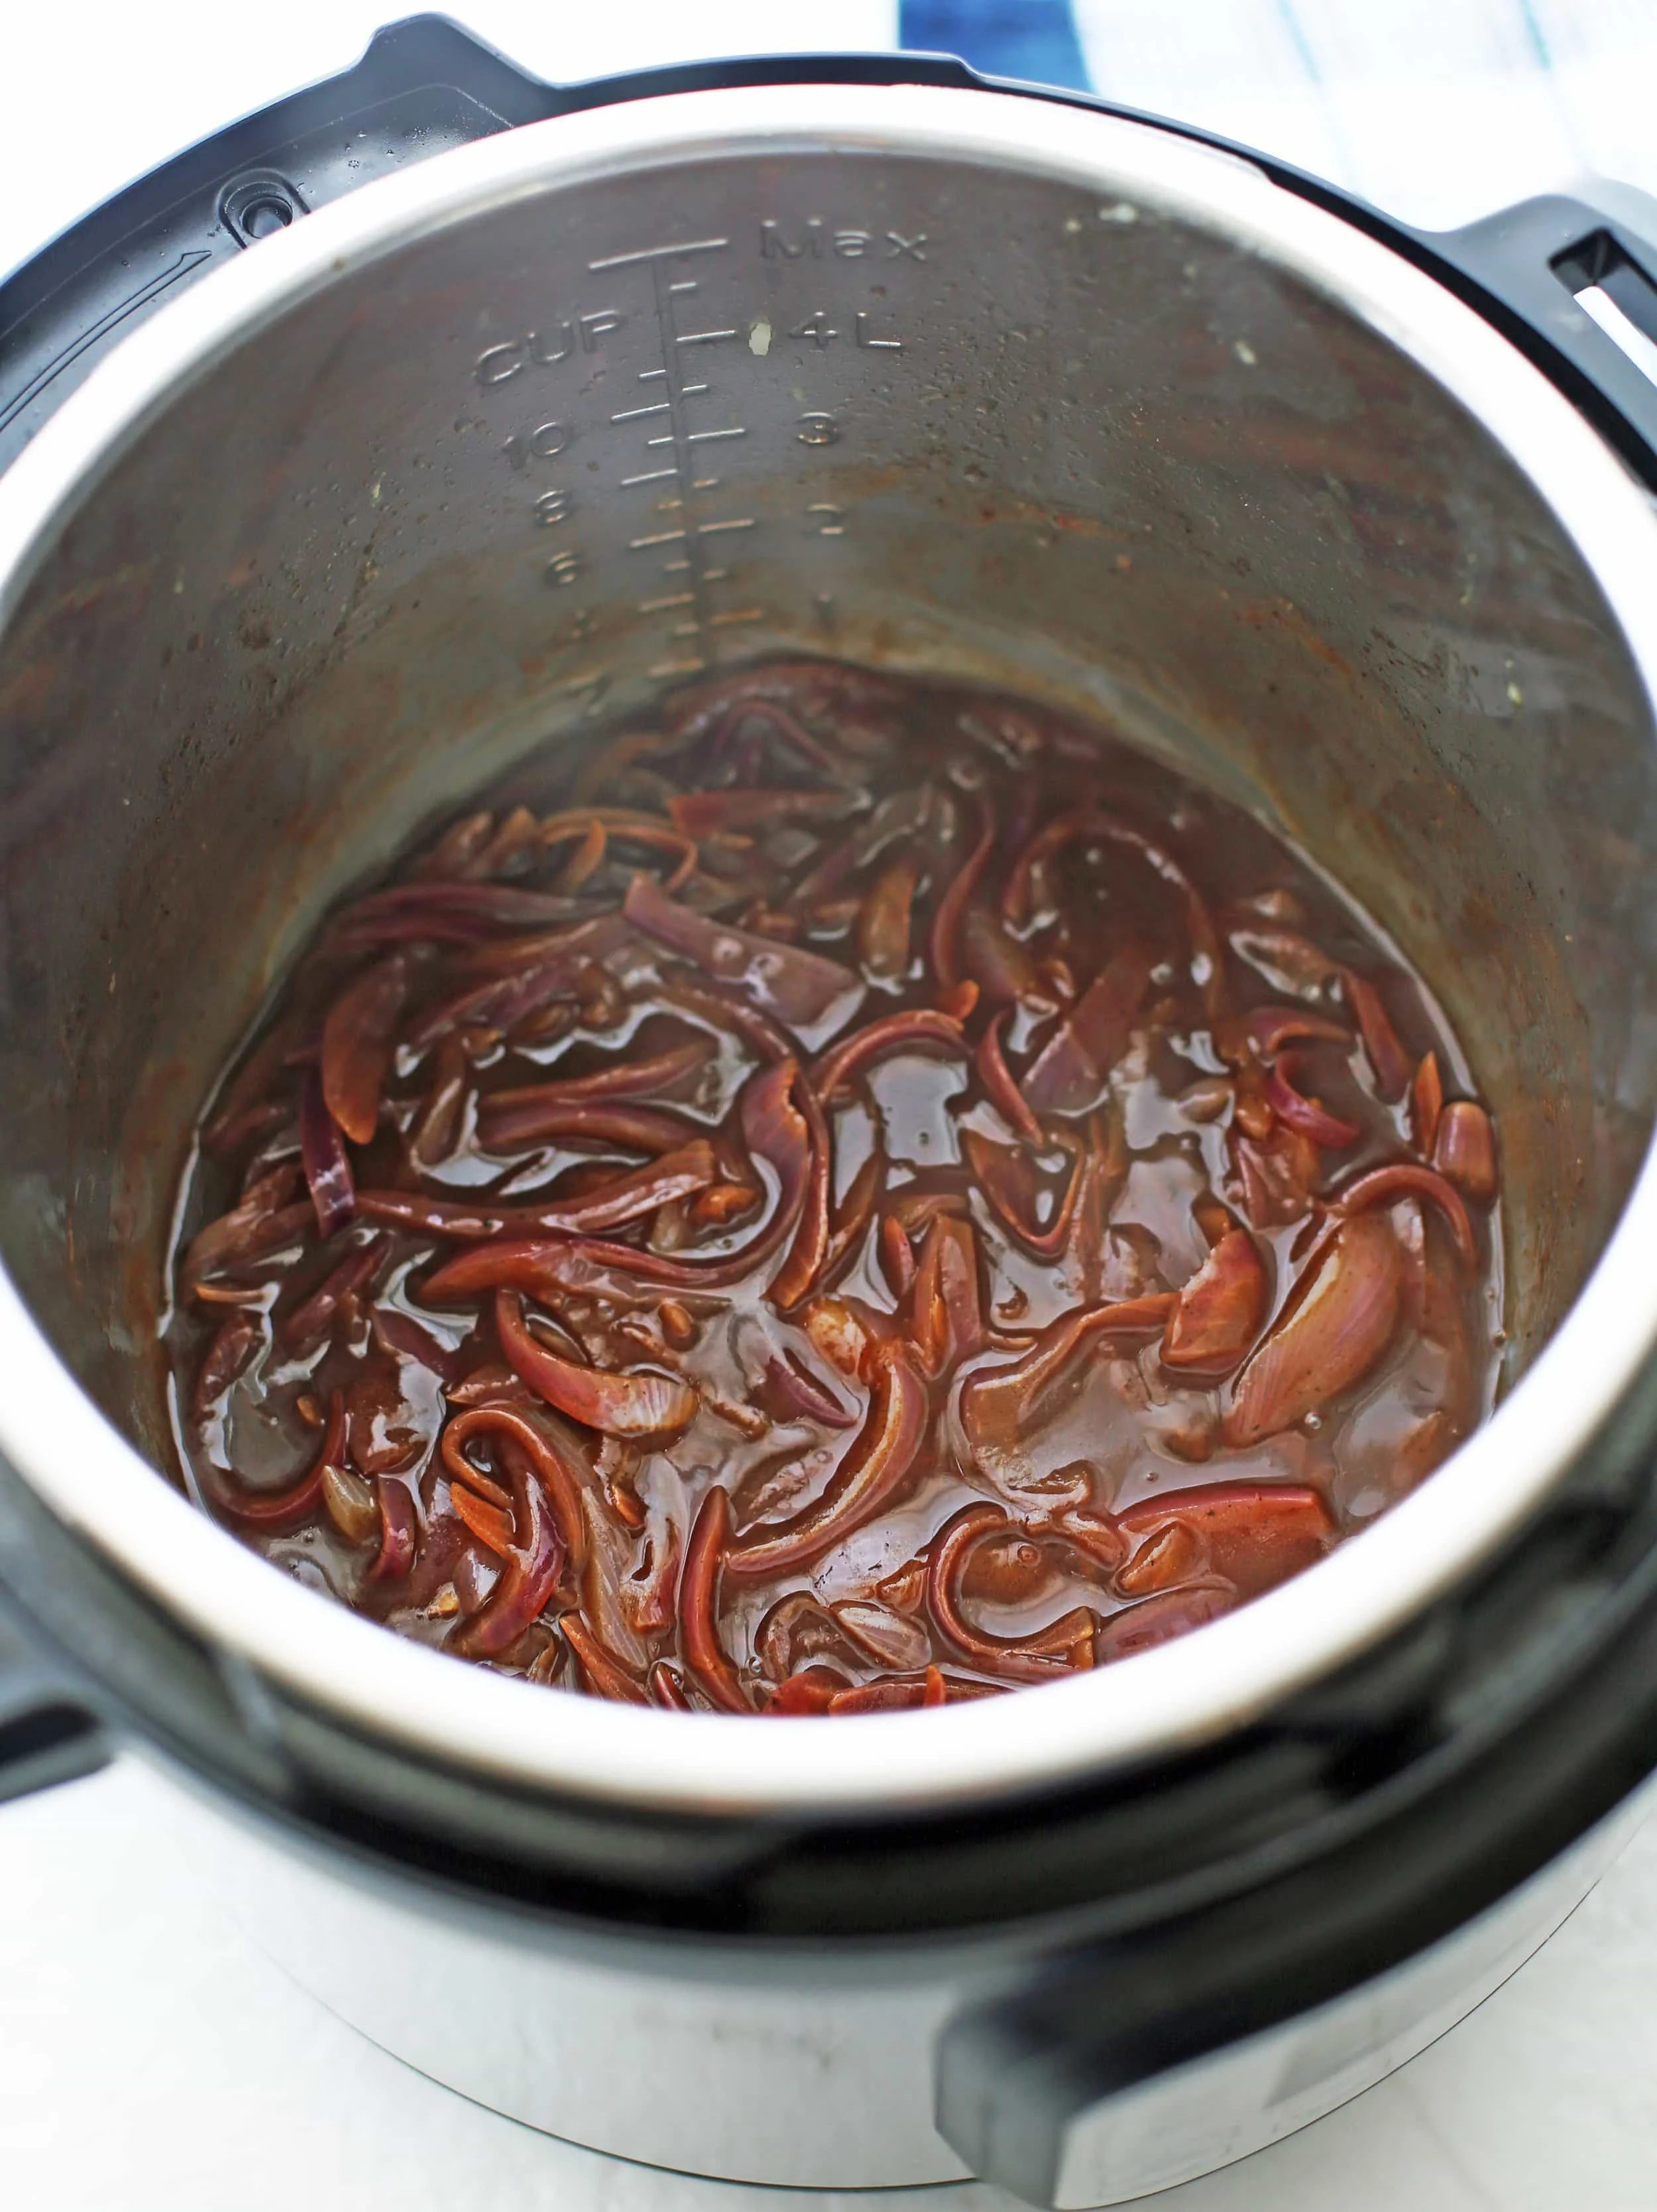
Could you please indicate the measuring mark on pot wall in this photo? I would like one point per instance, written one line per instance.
(674, 441)
(676, 430)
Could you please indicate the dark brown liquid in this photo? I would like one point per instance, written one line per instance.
(1076, 1311)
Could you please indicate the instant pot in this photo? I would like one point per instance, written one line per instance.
(324, 505)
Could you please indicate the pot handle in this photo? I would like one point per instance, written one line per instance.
(1079, 2086)
(47, 1732)
(1577, 291)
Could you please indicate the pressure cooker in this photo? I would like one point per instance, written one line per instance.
(437, 414)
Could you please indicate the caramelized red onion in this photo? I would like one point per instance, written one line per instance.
(552, 1467)
(285, 1509)
(1217, 1315)
(616, 1404)
(921, 1028)
(1059, 1649)
(705, 1559)
(999, 1089)
(801, 989)
(1303, 1115)
(873, 1470)
(326, 1163)
(1464, 1150)
(523, 1213)
(1255, 1535)
(357, 1041)
(1071, 1069)
(946, 923)
(1337, 1321)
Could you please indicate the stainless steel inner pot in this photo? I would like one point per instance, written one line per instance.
(925, 378)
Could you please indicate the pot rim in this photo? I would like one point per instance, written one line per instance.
(1182, 1694)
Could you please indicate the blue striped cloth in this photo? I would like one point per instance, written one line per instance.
(1035, 40)
(1437, 110)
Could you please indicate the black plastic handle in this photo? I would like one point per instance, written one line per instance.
(47, 1732)
(1527, 269)
(423, 87)
(1529, 1720)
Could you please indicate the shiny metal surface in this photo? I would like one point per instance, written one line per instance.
(991, 386)
(817, 2072)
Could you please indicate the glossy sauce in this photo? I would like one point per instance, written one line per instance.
(858, 1195)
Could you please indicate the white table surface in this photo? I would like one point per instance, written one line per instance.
(150, 2055)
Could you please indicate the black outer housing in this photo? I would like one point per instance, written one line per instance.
(1130, 1923)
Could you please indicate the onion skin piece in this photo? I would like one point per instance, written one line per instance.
(883, 920)
(531, 1569)
(522, 1428)
(1303, 1115)
(907, 1693)
(635, 1128)
(1073, 1067)
(998, 963)
(791, 1391)
(637, 1191)
(1000, 1172)
(1268, 1029)
(919, 1026)
(1464, 1150)
(946, 921)
(617, 1405)
(357, 1042)
(1426, 1104)
(1064, 1647)
(994, 1403)
(897, 1258)
(812, 1690)
(666, 1689)
(270, 1511)
(606, 1676)
(1338, 1320)
(623, 825)
(624, 1079)
(446, 914)
(699, 1584)
(800, 1123)
(491, 1524)
(260, 1222)
(873, 1470)
(1217, 1315)
(309, 1322)
(705, 813)
(1255, 1533)
(400, 1528)
(771, 1128)
(1289, 961)
(322, 1149)
(801, 989)
(1388, 1057)
(1154, 1620)
(226, 1361)
(1404, 1178)
(856, 1211)
(948, 1323)
(1003, 1093)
